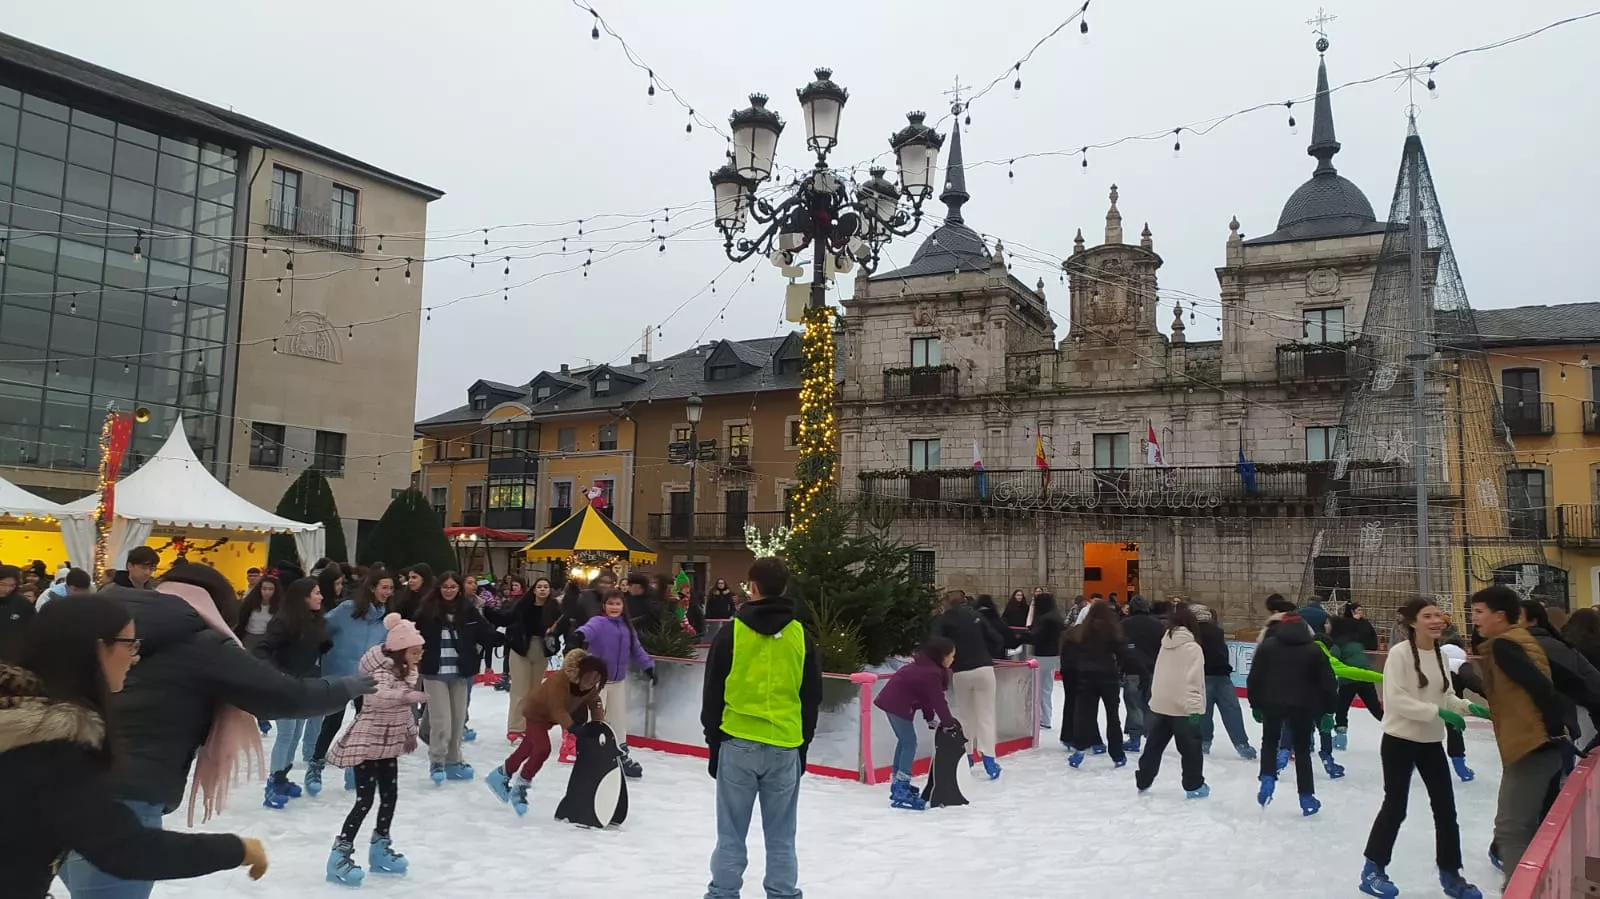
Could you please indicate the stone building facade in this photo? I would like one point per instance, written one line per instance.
(952, 361)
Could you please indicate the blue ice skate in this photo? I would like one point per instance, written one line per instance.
(1466, 774)
(1334, 769)
(1309, 805)
(382, 859)
(265, 725)
(1456, 887)
(1283, 759)
(314, 777)
(499, 784)
(1199, 792)
(459, 771)
(274, 798)
(1120, 763)
(436, 773)
(468, 735)
(1375, 882)
(1246, 751)
(1268, 784)
(1494, 857)
(1076, 758)
(1132, 745)
(519, 798)
(991, 767)
(1098, 749)
(903, 795)
(342, 867)
(1341, 738)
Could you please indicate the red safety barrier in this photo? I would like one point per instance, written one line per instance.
(1570, 833)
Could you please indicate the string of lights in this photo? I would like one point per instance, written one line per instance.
(655, 80)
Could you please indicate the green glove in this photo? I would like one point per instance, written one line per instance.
(1196, 718)
(1256, 714)
(1325, 724)
(1452, 720)
(1479, 711)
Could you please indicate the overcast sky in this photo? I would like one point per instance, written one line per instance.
(513, 110)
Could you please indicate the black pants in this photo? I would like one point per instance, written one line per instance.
(1300, 724)
(330, 729)
(1348, 691)
(1091, 695)
(1454, 743)
(381, 776)
(1400, 757)
(1158, 730)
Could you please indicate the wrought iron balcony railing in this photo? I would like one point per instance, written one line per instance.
(711, 527)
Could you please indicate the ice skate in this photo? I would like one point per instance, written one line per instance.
(1199, 792)
(1075, 759)
(519, 797)
(342, 867)
(458, 771)
(1341, 739)
(1309, 805)
(903, 795)
(1283, 759)
(1246, 752)
(630, 768)
(314, 777)
(1374, 882)
(499, 784)
(1456, 887)
(1334, 769)
(273, 797)
(991, 767)
(1268, 784)
(1462, 771)
(436, 773)
(1120, 763)
(468, 735)
(382, 859)
(1132, 745)
(1098, 749)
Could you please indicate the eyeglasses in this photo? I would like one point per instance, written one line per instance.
(133, 643)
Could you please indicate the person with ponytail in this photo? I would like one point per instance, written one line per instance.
(1418, 705)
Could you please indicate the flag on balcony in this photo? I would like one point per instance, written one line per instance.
(1247, 469)
(1040, 461)
(1153, 456)
(981, 477)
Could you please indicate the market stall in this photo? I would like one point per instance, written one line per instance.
(32, 527)
(176, 492)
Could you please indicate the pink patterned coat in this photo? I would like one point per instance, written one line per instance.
(385, 728)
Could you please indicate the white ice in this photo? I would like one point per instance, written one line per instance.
(1042, 829)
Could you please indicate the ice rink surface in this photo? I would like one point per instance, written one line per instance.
(1042, 829)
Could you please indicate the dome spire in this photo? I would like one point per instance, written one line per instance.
(955, 180)
(1324, 146)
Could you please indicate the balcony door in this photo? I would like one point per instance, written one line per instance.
(680, 516)
(737, 504)
(1519, 388)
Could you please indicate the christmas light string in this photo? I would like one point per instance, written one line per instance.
(656, 82)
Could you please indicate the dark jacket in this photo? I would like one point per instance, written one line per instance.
(186, 670)
(767, 617)
(1214, 643)
(15, 613)
(719, 604)
(1290, 674)
(1577, 681)
(473, 634)
(296, 656)
(644, 610)
(977, 641)
(525, 621)
(1315, 616)
(1015, 613)
(1045, 634)
(56, 799)
(919, 686)
(1095, 663)
(121, 579)
(1144, 630)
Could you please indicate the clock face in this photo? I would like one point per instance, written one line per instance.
(1322, 282)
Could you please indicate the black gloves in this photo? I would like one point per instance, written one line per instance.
(802, 752)
(651, 673)
(358, 685)
(575, 640)
(711, 760)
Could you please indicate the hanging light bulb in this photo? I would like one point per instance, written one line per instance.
(274, 344)
(2, 251)
(1016, 86)
(124, 368)
(1563, 372)
(380, 243)
(138, 245)
(351, 334)
(408, 269)
(264, 249)
(1011, 169)
(594, 32)
(429, 313)
(1293, 128)
(1433, 89)
(375, 271)
(280, 287)
(473, 263)
(650, 97)
(1083, 26)
(72, 306)
(288, 265)
(486, 237)
(1177, 144)
(1085, 152)
(507, 272)
(580, 227)
(58, 369)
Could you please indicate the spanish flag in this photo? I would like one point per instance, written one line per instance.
(1040, 461)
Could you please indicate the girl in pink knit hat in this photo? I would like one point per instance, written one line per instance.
(384, 730)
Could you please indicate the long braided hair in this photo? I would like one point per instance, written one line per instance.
(1408, 619)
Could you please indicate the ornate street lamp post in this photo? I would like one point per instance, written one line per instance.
(693, 409)
(818, 211)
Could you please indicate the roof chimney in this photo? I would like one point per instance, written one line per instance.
(563, 368)
(640, 358)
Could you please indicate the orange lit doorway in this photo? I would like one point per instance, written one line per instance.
(1111, 568)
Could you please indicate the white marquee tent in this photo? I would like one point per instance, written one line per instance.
(175, 489)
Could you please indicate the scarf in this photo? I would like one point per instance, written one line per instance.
(234, 732)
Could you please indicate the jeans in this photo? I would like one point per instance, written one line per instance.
(1220, 696)
(1399, 757)
(1138, 706)
(747, 772)
(1048, 666)
(85, 881)
(1162, 730)
(905, 744)
(291, 732)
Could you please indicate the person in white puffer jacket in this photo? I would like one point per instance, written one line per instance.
(1177, 705)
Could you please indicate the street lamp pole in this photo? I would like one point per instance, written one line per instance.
(843, 231)
(693, 408)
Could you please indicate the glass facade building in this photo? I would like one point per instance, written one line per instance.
(116, 282)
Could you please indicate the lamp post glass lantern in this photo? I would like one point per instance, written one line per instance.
(693, 409)
(818, 211)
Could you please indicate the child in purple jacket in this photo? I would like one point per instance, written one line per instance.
(920, 685)
(611, 639)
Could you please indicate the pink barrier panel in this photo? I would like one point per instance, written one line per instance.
(1569, 834)
(865, 680)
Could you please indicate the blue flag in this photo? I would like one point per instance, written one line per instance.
(1247, 469)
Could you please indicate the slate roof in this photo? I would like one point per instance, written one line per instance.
(1566, 323)
(73, 75)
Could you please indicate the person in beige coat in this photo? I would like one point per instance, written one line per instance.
(1177, 705)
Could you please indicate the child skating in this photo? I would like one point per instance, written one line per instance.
(385, 729)
(611, 638)
(918, 686)
(567, 698)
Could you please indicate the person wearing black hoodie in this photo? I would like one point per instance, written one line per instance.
(762, 693)
(188, 672)
(978, 643)
(1096, 655)
(16, 610)
(1144, 630)
(1045, 637)
(1009, 639)
(1016, 610)
(1575, 679)
(1290, 685)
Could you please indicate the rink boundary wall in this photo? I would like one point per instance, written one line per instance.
(1553, 866)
